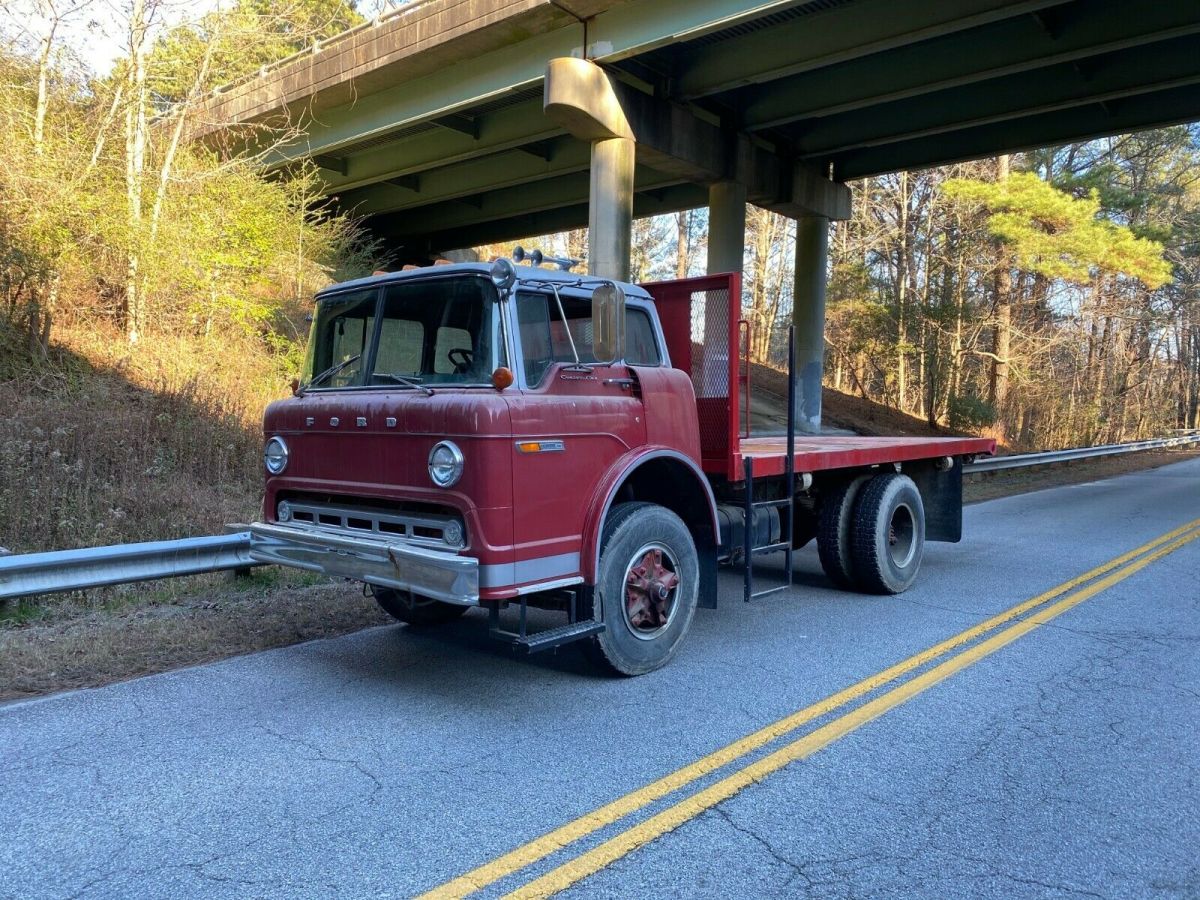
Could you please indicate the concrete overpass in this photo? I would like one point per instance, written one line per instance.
(455, 122)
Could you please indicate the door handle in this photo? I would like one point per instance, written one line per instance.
(625, 383)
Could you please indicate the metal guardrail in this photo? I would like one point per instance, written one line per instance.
(30, 574)
(1024, 460)
(74, 570)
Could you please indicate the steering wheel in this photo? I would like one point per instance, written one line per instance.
(461, 358)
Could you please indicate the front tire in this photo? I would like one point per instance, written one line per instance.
(646, 588)
(888, 535)
(413, 609)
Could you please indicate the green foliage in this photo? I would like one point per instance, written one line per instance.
(239, 40)
(969, 413)
(1056, 235)
(220, 248)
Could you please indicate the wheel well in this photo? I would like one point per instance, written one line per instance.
(673, 484)
(670, 483)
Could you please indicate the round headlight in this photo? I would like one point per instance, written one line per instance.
(284, 511)
(275, 456)
(445, 464)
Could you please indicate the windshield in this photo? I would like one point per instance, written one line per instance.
(439, 331)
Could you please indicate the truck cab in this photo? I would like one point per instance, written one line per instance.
(483, 435)
(458, 433)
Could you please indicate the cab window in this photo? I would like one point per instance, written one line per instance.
(342, 331)
(545, 341)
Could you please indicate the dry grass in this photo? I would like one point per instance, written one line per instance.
(87, 645)
(103, 446)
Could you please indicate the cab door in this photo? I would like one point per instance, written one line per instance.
(570, 423)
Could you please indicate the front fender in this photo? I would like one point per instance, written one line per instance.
(606, 492)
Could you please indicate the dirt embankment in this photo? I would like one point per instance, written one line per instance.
(846, 411)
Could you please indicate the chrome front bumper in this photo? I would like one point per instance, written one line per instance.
(387, 563)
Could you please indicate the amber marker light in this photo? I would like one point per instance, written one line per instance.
(553, 446)
(502, 378)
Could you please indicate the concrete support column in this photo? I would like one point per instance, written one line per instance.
(579, 96)
(808, 315)
(726, 226)
(610, 208)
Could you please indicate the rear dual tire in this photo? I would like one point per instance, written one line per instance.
(872, 534)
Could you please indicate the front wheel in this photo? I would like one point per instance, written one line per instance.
(415, 610)
(646, 588)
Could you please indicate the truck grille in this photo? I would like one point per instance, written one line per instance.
(442, 532)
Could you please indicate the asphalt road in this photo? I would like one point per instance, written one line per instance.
(1063, 760)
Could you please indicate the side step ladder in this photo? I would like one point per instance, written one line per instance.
(548, 638)
(787, 506)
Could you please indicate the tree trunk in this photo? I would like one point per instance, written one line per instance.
(135, 167)
(683, 251)
(1002, 336)
(902, 297)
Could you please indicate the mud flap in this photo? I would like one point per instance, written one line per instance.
(941, 495)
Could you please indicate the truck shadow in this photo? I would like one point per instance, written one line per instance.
(469, 637)
(451, 660)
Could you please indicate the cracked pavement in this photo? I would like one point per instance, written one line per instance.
(383, 763)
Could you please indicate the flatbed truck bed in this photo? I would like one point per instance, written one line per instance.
(820, 453)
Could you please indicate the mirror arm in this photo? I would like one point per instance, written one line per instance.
(567, 328)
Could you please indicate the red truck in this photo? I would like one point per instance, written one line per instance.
(475, 435)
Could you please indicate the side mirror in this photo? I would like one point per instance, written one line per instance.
(608, 323)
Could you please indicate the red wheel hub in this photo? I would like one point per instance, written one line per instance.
(649, 591)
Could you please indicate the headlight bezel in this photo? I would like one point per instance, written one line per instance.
(280, 458)
(455, 464)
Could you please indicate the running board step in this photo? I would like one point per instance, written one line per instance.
(550, 637)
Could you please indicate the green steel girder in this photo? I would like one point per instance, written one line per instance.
(634, 28)
(503, 203)
(623, 31)
(1081, 123)
(454, 89)
(995, 50)
(524, 225)
(500, 170)
(505, 129)
(841, 34)
(1140, 70)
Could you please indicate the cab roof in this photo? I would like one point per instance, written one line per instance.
(524, 273)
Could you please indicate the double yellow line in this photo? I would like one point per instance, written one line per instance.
(1041, 610)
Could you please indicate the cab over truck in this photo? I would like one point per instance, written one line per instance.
(475, 435)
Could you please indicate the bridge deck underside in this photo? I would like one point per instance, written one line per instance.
(464, 155)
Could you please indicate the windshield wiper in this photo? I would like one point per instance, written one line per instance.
(330, 372)
(406, 380)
